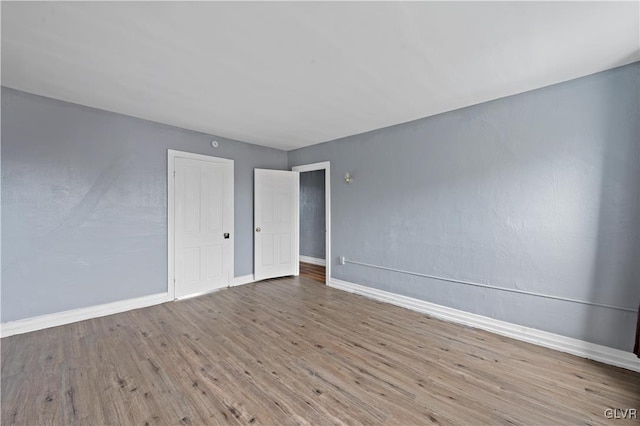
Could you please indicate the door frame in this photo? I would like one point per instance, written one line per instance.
(326, 166)
(172, 154)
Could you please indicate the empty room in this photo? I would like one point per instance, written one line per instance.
(274, 213)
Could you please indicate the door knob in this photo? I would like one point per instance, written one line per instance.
(258, 229)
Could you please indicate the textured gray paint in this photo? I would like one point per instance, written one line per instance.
(84, 203)
(312, 213)
(538, 191)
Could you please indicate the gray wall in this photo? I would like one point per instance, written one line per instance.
(84, 203)
(312, 214)
(538, 191)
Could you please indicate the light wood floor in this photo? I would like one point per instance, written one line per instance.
(292, 351)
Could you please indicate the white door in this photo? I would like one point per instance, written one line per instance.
(276, 215)
(203, 223)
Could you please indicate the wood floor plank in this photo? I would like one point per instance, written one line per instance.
(293, 351)
(314, 272)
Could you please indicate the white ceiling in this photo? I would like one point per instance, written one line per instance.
(288, 75)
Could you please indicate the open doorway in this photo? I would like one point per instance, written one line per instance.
(315, 222)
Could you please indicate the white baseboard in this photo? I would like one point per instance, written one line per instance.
(66, 317)
(570, 345)
(60, 318)
(313, 260)
(244, 279)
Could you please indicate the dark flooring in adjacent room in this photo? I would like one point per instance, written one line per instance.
(314, 272)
